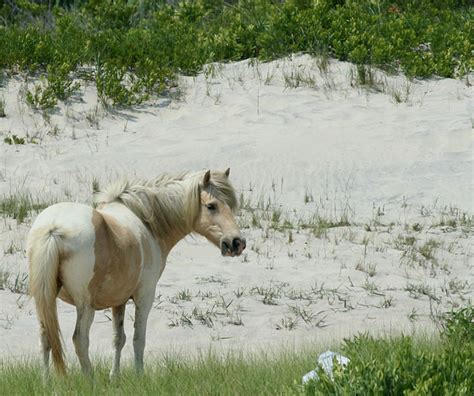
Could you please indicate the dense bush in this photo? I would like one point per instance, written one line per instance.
(404, 366)
(153, 40)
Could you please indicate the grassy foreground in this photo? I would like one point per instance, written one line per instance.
(386, 366)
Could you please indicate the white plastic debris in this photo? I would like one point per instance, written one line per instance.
(326, 361)
(309, 376)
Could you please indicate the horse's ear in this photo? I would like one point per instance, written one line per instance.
(207, 178)
(227, 173)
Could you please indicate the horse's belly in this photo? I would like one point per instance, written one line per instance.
(65, 296)
(113, 290)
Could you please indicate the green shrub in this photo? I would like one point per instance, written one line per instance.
(60, 81)
(42, 97)
(112, 85)
(406, 366)
(142, 44)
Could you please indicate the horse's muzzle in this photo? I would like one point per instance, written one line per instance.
(234, 247)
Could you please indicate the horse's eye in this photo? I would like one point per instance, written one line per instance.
(212, 207)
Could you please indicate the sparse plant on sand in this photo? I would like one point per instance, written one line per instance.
(13, 139)
(19, 206)
(369, 268)
(298, 77)
(269, 294)
(2, 108)
(17, 284)
(421, 289)
(286, 323)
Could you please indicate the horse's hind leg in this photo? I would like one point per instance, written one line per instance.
(46, 349)
(118, 314)
(85, 317)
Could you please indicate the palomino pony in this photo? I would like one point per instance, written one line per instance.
(100, 258)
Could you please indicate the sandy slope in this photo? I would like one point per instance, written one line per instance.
(402, 173)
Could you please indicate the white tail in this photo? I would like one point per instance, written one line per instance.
(43, 257)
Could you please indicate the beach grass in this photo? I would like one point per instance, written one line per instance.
(396, 365)
(20, 205)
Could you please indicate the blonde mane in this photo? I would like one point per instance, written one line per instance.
(168, 202)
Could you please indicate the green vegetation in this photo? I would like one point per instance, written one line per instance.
(131, 49)
(19, 206)
(2, 108)
(406, 366)
(379, 366)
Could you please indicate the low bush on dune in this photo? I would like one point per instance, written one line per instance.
(134, 48)
(403, 365)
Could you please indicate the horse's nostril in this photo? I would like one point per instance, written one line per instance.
(236, 243)
(225, 245)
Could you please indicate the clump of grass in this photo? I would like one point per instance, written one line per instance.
(427, 250)
(314, 319)
(369, 268)
(298, 78)
(404, 241)
(422, 289)
(2, 108)
(12, 139)
(366, 77)
(184, 295)
(287, 323)
(370, 287)
(17, 284)
(182, 319)
(269, 294)
(19, 206)
(400, 94)
(454, 217)
(319, 225)
(205, 317)
(95, 185)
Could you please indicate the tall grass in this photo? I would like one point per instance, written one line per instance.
(400, 365)
(19, 206)
(207, 375)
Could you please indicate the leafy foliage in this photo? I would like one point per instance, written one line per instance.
(137, 46)
(405, 366)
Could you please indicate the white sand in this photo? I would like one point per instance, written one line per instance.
(324, 147)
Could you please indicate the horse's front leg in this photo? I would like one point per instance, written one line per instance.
(118, 315)
(142, 309)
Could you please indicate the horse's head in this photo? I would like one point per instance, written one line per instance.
(216, 219)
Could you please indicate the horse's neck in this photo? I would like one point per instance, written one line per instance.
(170, 241)
(166, 243)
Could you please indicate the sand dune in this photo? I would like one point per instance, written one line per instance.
(394, 160)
